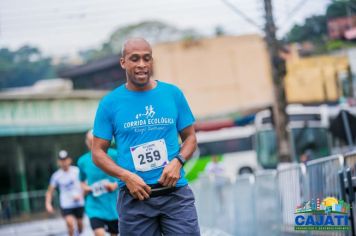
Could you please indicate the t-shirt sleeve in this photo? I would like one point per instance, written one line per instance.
(82, 174)
(103, 127)
(53, 181)
(185, 115)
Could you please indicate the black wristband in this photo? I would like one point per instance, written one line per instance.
(180, 159)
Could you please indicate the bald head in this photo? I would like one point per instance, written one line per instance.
(89, 139)
(132, 43)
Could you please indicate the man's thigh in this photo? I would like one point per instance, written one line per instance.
(96, 223)
(179, 215)
(113, 226)
(110, 226)
(136, 217)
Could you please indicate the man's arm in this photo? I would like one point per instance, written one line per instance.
(171, 172)
(137, 187)
(189, 142)
(49, 195)
(111, 186)
(85, 187)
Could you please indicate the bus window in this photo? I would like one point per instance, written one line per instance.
(314, 140)
(307, 129)
(267, 148)
(225, 146)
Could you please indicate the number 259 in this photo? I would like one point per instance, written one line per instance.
(148, 157)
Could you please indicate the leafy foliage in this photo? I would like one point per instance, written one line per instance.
(341, 8)
(315, 28)
(23, 67)
(153, 31)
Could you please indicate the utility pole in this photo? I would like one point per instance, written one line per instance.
(278, 72)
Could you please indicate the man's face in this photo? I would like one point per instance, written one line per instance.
(65, 163)
(138, 63)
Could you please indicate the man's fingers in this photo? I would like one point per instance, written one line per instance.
(162, 179)
(142, 194)
(145, 195)
(147, 189)
(166, 181)
(173, 183)
(139, 196)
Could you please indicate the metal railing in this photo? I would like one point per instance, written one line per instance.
(350, 161)
(292, 192)
(244, 207)
(322, 177)
(16, 207)
(265, 203)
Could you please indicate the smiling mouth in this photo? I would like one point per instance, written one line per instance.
(141, 74)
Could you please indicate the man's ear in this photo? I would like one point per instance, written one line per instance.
(122, 62)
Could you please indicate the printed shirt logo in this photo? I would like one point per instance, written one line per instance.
(68, 185)
(328, 214)
(148, 121)
(149, 113)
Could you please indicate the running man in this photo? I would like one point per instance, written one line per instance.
(71, 200)
(154, 196)
(101, 192)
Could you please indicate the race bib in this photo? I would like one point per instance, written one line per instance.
(149, 156)
(98, 188)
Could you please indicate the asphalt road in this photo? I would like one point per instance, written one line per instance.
(56, 227)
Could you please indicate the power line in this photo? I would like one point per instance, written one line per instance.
(95, 20)
(295, 10)
(98, 16)
(241, 14)
(83, 16)
(88, 20)
(120, 8)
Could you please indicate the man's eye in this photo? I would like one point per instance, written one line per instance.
(134, 58)
(147, 58)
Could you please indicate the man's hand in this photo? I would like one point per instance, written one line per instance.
(111, 186)
(48, 200)
(171, 173)
(49, 208)
(137, 187)
(77, 197)
(86, 188)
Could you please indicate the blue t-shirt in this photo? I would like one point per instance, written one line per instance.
(134, 118)
(102, 206)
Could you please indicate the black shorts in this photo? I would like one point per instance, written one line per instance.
(78, 212)
(110, 226)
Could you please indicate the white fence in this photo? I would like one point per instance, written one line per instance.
(265, 203)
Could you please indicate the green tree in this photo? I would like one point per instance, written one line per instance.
(314, 29)
(153, 31)
(23, 67)
(341, 8)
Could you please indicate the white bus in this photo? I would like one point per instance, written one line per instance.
(307, 128)
(234, 145)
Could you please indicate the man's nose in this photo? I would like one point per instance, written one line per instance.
(141, 63)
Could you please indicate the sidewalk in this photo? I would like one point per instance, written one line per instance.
(47, 227)
(56, 227)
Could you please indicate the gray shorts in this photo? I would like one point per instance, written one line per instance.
(171, 214)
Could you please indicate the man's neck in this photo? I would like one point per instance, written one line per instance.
(150, 85)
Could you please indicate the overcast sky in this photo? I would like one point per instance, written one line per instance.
(67, 26)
